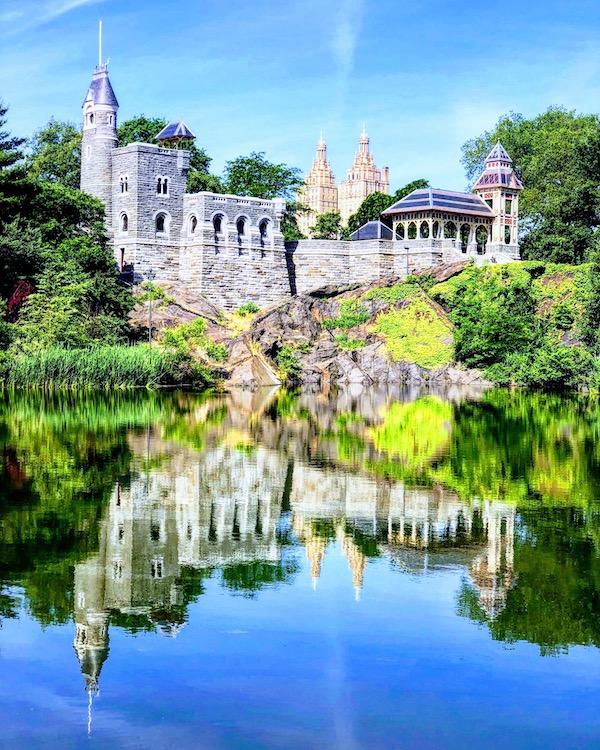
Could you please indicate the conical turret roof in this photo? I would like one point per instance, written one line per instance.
(100, 90)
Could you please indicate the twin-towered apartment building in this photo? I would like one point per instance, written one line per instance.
(321, 194)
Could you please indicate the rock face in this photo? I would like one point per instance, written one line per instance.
(322, 362)
(323, 357)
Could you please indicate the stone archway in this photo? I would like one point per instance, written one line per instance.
(450, 230)
(465, 236)
(481, 238)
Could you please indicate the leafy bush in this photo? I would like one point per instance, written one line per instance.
(550, 366)
(190, 338)
(416, 333)
(493, 311)
(346, 343)
(288, 362)
(351, 314)
(248, 308)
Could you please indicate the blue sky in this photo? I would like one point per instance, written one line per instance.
(264, 75)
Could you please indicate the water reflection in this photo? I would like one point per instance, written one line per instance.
(116, 511)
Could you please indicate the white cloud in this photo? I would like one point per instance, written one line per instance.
(31, 14)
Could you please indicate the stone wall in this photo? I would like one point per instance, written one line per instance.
(317, 263)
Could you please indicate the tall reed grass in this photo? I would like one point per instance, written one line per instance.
(101, 367)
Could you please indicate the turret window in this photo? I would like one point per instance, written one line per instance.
(124, 223)
(117, 570)
(193, 224)
(162, 186)
(507, 235)
(508, 207)
(156, 567)
(161, 222)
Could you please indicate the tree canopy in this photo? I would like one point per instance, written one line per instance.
(55, 153)
(328, 226)
(256, 176)
(556, 154)
(375, 204)
(58, 281)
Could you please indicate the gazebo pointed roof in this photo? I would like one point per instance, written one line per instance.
(499, 171)
(175, 131)
(498, 153)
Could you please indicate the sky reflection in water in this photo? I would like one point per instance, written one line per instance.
(275, 571)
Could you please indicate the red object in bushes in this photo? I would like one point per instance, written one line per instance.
(20, 293)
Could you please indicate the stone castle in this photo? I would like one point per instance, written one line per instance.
(320, 194)
(230, 248)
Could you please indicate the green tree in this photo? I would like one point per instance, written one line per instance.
(556, 156)
(256, 176)
(591, 316)
(77, 301)
(375, 204)
(140, 129)
(14, 185)
(328, 226)
(289, 223)
(55, 153)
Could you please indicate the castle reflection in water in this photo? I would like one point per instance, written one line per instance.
(241, 499)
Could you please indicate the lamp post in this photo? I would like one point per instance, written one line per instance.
(150, 276)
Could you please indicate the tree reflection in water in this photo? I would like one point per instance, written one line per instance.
(118, 510)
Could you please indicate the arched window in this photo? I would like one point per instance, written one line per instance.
(436, 230)
(450, 230)
(91, 116)
(159, 185)
(165, 186)
(465, 233)
(124, 222)
(241, 229)
(424, 230)
(400, 232)
(263, 228)
(193, 224)
(412, 231)
(507, 235)
(161, 222)
(218, 224)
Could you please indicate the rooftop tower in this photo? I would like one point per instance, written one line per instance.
(100, 108)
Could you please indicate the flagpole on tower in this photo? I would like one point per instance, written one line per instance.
(99, 42)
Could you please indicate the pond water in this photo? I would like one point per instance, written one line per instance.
(269, 570)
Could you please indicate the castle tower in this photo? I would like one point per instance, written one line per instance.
(499, 186)
(99, 138)
(362, 179)
(319, 193)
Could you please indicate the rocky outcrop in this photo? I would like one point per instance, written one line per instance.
(323, 358)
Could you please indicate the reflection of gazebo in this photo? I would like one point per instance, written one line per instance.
(443, 219)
